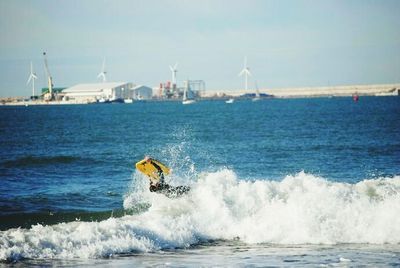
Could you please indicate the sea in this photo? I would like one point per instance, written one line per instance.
(278, 182)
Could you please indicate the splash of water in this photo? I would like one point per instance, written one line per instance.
(300, 209)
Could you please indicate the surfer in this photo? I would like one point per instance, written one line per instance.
(160, 186)
(156, 186)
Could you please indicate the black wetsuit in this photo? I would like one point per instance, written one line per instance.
(162, 187)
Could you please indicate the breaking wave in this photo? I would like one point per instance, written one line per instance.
(300, 209)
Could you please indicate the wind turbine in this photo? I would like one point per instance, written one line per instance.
(103, 72)
(245, 72)
(174, 70)
(32, 78)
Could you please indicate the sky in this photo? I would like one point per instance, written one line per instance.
(287, 43)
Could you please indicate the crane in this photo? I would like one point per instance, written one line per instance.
(49, 95)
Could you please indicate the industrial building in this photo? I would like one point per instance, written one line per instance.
(106, 91)
(142, 93)
(109, 91)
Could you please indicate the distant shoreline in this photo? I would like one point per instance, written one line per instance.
(314, 92)
(304, 92)
(62, 103)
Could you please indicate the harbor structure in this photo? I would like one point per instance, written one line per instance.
(310, 92)
(48, 96)
(107, 92)
(194, 88)
(98, 92)
(141, 92)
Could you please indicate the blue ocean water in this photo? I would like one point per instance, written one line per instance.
(70, 168)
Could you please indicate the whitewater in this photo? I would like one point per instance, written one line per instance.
(301, 209)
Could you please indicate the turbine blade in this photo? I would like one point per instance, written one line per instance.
(175, 66)
(242, 72)
(29, 80)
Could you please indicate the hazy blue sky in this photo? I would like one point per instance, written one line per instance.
(288, 43)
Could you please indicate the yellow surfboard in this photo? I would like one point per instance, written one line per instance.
(150, 170)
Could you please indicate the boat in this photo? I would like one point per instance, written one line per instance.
(231, 100)
(116, 100)
(128, 100)
(103, 100)
(257, 97)
(188, 101)
(185, 99)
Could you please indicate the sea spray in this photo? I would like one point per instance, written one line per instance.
(300, 209)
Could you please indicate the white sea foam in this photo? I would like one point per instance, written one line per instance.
(300, 209)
